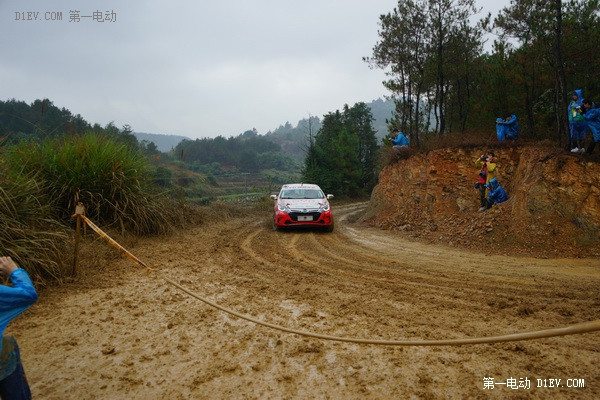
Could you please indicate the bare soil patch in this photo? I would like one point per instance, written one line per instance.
(116, 333)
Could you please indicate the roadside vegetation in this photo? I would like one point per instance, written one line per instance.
(42, 181)
(109, 177)
(31, 233)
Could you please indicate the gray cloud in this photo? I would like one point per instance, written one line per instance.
(196, 68)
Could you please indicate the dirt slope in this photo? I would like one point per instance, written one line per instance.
(116, 333)
(553, 207)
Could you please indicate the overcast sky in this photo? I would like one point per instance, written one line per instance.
(194, 68)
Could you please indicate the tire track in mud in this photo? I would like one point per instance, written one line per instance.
(340, 273)
(522, 270)
(372, 266)
(379, 263)
(359, 261)
(395, 282)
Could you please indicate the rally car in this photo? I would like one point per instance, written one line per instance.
(302, 204)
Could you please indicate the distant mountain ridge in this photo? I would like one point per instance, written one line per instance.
(292, 139)
(163, 142)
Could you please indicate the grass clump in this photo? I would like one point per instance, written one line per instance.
(111, 178)
(30, 234)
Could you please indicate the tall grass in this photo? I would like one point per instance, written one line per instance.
(109, 177)
(29, 232)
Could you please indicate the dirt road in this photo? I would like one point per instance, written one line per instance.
(116, 333)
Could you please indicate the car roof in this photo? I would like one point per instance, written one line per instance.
(300, 186)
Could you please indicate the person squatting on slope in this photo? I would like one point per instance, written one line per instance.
(399, 141)
(13, 301)
(577, 125)
(481, 180)
(496, 194)
(591, 115)
(507, 128)
(486, 163)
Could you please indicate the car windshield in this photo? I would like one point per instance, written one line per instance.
(301, 194)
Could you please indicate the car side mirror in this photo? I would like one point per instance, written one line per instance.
(273, 197)
(329, 196)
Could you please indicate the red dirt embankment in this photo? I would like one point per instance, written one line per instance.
(553, 207)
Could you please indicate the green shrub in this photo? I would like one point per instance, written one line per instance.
(110, 178)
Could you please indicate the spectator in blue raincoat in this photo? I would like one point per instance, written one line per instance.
(496, 194)
(13, 301)
(399, 139)
(500, 130)
(577, 125)
(399, 142)
(591, 115)
(507, 128)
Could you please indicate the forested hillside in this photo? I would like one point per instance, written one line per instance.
(294, 140)
(248, 152)
(41, 119)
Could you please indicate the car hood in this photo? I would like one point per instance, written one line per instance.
(303, 204)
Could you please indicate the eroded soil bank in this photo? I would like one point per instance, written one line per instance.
(553, 207)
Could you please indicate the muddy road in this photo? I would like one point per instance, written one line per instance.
(116, 333)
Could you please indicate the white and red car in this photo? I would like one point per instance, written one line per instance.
(302, 204)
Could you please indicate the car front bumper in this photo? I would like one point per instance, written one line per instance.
(303, 219)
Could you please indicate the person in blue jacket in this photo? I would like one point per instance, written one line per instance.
(399, 141)
(496, 194)
(507, 128)
(13, 301)
(592, 117)
(500, 130)
(577, 125)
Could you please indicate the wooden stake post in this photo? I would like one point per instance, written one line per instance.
(79, 211)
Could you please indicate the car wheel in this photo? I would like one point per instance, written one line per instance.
(329, 228)
(277, 227)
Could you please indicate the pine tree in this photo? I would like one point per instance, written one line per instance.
(341, 159)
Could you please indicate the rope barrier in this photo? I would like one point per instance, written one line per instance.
(114, 243)
(585, 327)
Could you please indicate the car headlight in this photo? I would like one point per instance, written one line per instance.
(283, 207)
(324, 207)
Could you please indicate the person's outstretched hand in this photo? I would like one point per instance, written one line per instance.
(7, 265)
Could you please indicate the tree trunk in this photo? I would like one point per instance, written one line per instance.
(562, 129)
(441, 81)
(417, 108)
